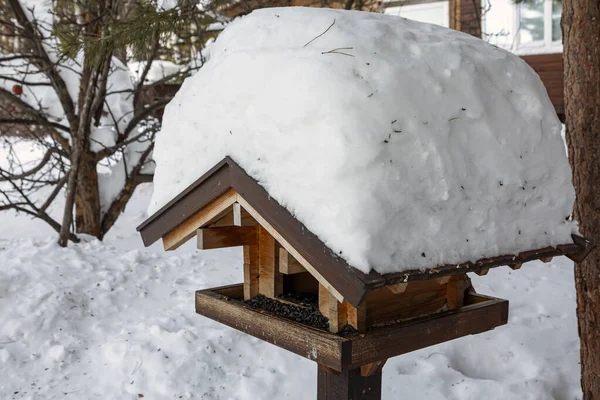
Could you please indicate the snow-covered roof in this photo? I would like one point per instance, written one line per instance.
(399, 144)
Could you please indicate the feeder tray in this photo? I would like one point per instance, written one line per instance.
(342, 353)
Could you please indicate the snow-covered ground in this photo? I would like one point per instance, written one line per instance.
(114, 320)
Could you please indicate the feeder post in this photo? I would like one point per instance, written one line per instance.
(348, 385)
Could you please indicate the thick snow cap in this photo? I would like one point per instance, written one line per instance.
(401, 145)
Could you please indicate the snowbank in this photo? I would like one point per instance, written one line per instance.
(399, 144)
(114, 320)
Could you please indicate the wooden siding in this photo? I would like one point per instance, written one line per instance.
(550, 69)
(465, 16)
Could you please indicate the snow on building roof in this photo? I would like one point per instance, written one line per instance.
(401, 145)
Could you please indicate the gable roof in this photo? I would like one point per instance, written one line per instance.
(350, 282)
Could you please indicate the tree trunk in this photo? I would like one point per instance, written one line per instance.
(87, 199)
(581, 35)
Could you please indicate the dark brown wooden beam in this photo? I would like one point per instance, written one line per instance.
(388, 342)
(348, 385)
(227, 236)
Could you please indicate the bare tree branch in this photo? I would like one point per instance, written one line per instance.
(43, 62)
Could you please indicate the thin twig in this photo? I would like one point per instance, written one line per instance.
(137, 366)
(315, 38)
(335, 51)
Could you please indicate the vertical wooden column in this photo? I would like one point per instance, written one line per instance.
(251, 273)
(357, 317)
(270, 283)
(332, 309)
(455, 289)
(348, 385)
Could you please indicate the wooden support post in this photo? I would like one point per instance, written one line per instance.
(287, 264)
(251, 273)
(251, 267)
(357, 317)
(455, 291)
(270, 283)
(348, 385)
(332, 309)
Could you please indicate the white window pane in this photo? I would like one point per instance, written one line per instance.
(431, 13)
(531, 21)
(556, 12)
(499, 23)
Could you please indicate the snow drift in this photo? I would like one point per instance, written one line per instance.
(400, 144)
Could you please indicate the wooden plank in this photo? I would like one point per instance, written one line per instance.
(388, 342)
(284, 243)
(320, 346)
(323, 301)
(579, 249)
(289, 265)
(357, 316)
(398, 287)
(237, 217)
(546, 259)
(455, 291)
(333, 310)
(443, 280)
(194, 198)
(582, 247)
(210, 213)
(251, 272)
(227, 236)
(419, 298)
(226, 220)
(348, 385)
(482, 272)
(270, 281)
(372, 368)
(516, 266)
(241, 217)
(300, 283)
(237, 214)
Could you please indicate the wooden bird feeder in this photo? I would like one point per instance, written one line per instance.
(298, 295)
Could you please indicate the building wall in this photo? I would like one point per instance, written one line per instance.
(550, 69)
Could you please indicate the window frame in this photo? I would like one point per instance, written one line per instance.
(445, 5)
(547, 45)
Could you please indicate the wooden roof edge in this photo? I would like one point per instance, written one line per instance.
(157, 214)
(576, 251)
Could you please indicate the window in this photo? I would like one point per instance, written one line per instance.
(432, 13)
(531, 27)
(539, 23)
